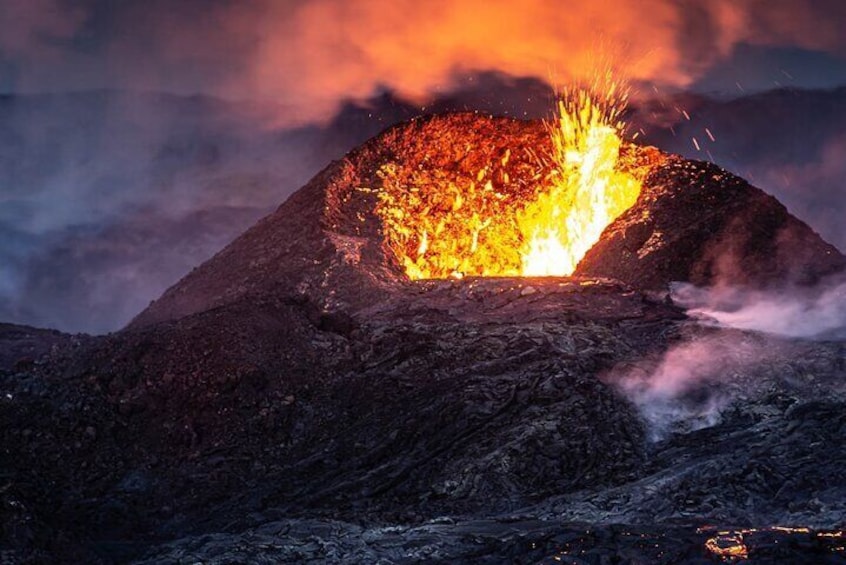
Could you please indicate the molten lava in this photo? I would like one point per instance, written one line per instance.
(733, 545)
(440, 226)
(587, 193)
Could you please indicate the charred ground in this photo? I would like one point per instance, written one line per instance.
(296, 398)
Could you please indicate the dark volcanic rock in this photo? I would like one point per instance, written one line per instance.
(696, 222)
(296, 398)
(450, 397)
(22, 346)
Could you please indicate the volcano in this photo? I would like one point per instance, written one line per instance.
(301, 396)
(692, 222)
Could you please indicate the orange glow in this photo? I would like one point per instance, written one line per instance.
(728, 546)
(438, 228)
(441, 227)
(588, 192)
(311, 56)
(339, 50)
(731, 545)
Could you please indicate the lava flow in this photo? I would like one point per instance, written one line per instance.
(733, 545)
(439, 227)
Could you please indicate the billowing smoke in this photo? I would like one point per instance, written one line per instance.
(420, 52)
(309, 56)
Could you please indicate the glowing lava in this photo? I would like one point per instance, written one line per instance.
(728, 546)
(441, 227)
(587, 193)
(733, 545)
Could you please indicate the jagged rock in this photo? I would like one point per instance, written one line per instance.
(21, 346)
(696, 222)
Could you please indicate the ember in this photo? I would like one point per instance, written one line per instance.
(440, 227)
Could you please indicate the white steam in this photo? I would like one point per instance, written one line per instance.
(690, 385)
(819, 312)
(682, 392)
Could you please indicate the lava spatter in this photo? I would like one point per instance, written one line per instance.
(440, 226)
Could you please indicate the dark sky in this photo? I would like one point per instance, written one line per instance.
(216, 110)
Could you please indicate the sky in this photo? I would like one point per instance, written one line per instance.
(137, 137)
(307, 55)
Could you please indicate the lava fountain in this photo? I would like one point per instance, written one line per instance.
(440, 227)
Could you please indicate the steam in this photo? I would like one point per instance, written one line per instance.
(816, 313)
(691, 384)
(682, 390)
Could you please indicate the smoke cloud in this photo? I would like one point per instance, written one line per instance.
(310, 56)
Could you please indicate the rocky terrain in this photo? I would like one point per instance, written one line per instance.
(297, 399)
